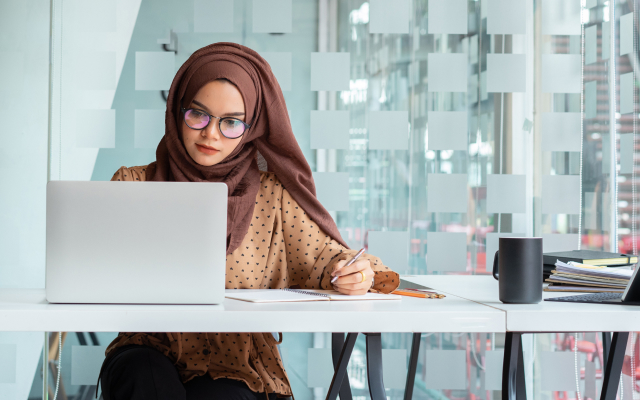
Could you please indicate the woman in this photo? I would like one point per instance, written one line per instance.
(225, 106)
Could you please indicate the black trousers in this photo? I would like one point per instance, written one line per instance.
(142, 373)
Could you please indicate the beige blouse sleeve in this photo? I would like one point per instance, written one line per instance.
(311, 253)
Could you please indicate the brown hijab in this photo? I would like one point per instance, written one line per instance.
(270, 134)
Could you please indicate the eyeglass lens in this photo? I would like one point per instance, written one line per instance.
(230, 127)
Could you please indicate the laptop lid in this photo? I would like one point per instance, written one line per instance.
(136, 242)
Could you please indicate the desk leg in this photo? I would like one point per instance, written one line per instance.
(614, 366)
(513, 383)
(341, 368)
(413, 364)
(606, 345)
(337, 343)
(374, 366)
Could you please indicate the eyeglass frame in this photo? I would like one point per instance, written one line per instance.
(220, 119)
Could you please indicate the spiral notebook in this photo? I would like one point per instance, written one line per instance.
(285, 295)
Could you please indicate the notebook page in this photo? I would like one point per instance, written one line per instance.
(337, 296)
(270, 295)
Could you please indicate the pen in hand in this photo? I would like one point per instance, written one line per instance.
(335, 278)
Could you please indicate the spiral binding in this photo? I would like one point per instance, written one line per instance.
(306, 292)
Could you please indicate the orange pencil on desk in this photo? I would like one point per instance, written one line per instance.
(419, 295)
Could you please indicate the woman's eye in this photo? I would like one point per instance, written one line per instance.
(198, 114)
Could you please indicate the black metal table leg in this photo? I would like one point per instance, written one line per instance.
(606, 345)
(413, 364)
(374, 366)
(337, 343)
(613, 368)
(341, 368)
(513, 382)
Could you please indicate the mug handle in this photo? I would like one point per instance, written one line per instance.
(495, 266)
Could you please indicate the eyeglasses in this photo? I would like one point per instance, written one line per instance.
(231, 128)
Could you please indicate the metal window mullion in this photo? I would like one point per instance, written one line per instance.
(613, 192)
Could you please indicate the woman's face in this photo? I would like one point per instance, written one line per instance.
(208, 146)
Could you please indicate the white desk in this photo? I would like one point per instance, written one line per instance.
(27, 310)
(546, 316)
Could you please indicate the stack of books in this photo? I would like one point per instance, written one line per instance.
(589, 257)
(576, 277)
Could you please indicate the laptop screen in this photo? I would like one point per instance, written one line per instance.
(632, 291)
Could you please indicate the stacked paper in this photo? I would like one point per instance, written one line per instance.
(575, 277)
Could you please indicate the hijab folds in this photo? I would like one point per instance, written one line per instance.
(270, 134)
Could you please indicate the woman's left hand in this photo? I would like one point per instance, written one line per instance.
(350, 278)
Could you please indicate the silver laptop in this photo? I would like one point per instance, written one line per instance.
(136, 242)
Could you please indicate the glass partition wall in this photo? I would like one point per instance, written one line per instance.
(432, 127)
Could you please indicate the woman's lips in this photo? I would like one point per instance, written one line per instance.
(206, 150)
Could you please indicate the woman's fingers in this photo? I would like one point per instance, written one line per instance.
(353, 286)
(359, 265)
(338, 266)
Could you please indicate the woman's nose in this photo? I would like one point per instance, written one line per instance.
(212, 130)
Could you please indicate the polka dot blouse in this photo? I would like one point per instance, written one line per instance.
(283, 248)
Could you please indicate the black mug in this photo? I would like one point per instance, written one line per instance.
(517, 266)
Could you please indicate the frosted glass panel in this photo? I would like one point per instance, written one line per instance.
(506, 193)
(446, 252)
(447, 130)
(561, 194)
(626, 153)
(319, 368)
(93, 16)
(626, 93)
(149, 128)
(447, 193)
(391, 247)
(96, 128)
(493, 244)
(12, 64)
(626, 34)
(591, 3)
(560, 131)
(154, 70)
(591, 99)
(330, 129)
(332, 189)
(280, 63)
(552, 242)
(561, 73)
(506, 17)
(557, 370)
(203, 10)
(446, 369)
(8, 363)
(330, 71)
(394, 368)
(590, 380)
(96, 71)
(272, 16)
(389, 130)
(447, 72)
(561, 17)
(389, 16)
(591, 44)
(493, 370)
(447, 16)
(85, 364)
(506, 73)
